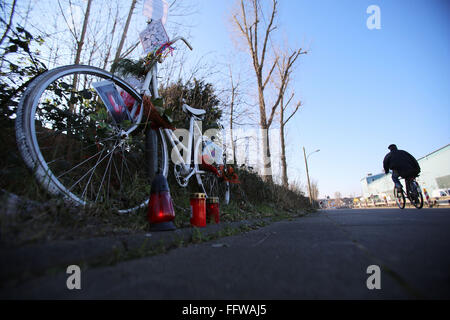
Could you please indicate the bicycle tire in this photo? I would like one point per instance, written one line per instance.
(400, 199)
(61, 128)
(418, 203)
(216, 187)
(210, 182)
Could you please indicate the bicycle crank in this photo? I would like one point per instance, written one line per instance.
(181, 178)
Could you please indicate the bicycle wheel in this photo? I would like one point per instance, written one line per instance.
(209, 180)
(216, 187)
(399, 198)
(416, 196)
(78, 149)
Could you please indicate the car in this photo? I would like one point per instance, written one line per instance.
(439, 193)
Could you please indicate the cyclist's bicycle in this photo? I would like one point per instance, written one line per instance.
(414, 194)
(78, 149)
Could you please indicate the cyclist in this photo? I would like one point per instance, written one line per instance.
(402, 164)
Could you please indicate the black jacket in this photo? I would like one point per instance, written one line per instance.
(403, 162)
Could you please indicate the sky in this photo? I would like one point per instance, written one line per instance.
(361, 89)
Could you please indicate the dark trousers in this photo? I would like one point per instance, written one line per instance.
(396, 178)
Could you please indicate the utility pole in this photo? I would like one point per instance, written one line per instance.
(307, 172)
(307, 175)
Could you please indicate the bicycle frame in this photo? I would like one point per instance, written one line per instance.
(150, 87)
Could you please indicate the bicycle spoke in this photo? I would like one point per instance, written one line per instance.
(90, 170)
(64, 173)
(92, 173)
(104, 175)
(118, 176)
(126, 165)
(90, 177)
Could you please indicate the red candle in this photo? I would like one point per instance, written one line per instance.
(198, 210)
(212, 209)
(161, 208)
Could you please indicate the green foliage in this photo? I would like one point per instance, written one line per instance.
(129, 67)
(165, 113)
(197, 94)
(18, 65)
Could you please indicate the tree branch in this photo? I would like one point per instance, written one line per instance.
(268, 31)
(67, 23)
(287, 103)
(255, 7)
(299, 104)
(270, 72)
(284, 75)
(8, 26)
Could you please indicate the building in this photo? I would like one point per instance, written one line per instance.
(434, 176)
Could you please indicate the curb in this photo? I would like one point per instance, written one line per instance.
(11, 203)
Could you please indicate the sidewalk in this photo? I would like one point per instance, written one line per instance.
(19, 264)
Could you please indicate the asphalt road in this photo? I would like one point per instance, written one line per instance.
(324, 255)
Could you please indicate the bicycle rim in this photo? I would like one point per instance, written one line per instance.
(216, 187)
(418, 201)
(211, 184)
(75, 147)
(399, 198)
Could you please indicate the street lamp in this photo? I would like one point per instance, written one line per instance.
(307, 172)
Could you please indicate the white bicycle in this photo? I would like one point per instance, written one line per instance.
(77, 149)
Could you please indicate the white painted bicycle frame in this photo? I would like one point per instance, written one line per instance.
(190, 150)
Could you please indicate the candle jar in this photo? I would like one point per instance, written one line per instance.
(212, 209)
(160, 210)
(198, 209)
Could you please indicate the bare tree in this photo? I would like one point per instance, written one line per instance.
(284, 77)
(110, 43)
(83, 32)
(248, 22)
(233, 93)
(337, 198)
(125, 30)
(236, 108)
(297, 186)
(314, 190)
(80, 41)
(10, 19)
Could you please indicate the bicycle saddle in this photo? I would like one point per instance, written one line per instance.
(194, 111)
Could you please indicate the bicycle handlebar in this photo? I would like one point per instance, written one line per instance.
(181, 38)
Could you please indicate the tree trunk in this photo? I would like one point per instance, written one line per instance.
(284, 178)
(80, 46)
(113, 31)
(266, 160)
(83, 33)
(125, 31)
(265, 142)
(8, 24)
(75, 77)
(233, 147)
